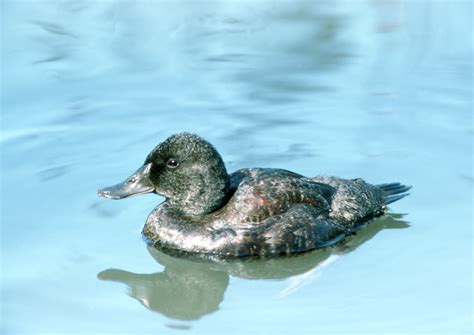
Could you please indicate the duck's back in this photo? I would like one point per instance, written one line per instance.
(263, 193)
(258, 194)
(354, 201)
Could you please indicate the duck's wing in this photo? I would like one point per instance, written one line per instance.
(261, 197)
(301, 228)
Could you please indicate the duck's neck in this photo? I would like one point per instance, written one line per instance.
(205, 196)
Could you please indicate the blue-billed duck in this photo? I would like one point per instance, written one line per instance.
(251, 212)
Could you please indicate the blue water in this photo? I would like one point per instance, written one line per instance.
(381, 90)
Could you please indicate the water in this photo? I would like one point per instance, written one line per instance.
(375, 89)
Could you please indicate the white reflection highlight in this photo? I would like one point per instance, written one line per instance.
(297, 282)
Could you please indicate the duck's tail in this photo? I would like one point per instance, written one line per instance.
(394, 191)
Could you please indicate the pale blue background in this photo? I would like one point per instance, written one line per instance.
(375, 89)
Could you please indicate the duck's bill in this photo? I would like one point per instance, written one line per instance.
(137, 183)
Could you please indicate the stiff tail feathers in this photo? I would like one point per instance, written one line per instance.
(394, 191)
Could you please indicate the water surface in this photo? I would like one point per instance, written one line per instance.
(375, 89)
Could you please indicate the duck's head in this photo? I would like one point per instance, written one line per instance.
(185, 169)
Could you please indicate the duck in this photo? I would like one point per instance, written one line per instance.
(259, 212)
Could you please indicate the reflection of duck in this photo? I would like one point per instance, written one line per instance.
(251, 212)
(189, 289)
(180, 292)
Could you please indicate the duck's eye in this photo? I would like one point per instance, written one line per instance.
(172, 163)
